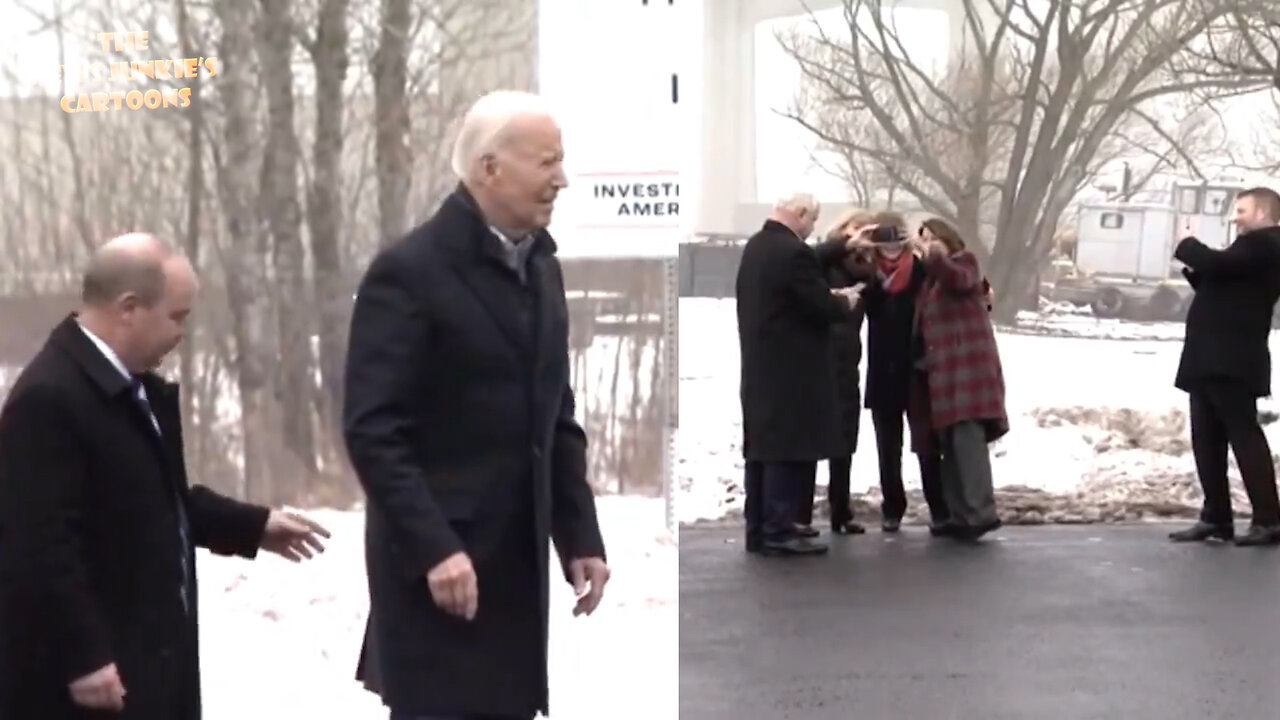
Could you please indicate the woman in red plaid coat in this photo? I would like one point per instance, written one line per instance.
(965, 380)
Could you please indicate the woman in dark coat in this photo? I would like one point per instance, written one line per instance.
(965, 380)
(894, 277)
(846, 341)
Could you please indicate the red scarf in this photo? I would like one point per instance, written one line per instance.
(896, 271)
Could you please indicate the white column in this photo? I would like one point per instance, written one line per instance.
(728, 115)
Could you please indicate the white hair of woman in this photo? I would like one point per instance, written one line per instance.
(484, 123)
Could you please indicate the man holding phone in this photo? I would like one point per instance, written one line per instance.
(1226, 366)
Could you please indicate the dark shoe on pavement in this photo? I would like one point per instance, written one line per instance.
(806, 531)
(848, 527)
(891, 526)
(1202, 531)
(793, 546)
(1260, 535)
(945, 528)
(753, 543)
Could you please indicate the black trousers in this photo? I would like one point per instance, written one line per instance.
(774, 491)
(1226, 414)
(840, 473)
(889, 428)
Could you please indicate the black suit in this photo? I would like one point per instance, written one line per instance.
(1226, 365)
(790, 413)
(459, 419)
(91, 551)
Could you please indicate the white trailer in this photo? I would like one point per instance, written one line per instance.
(1123, 262)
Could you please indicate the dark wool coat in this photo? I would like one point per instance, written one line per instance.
(962, 359)
(459, 419)
(846, 343)
(790, 412)
(890, 337)
(1229, 321)
(90, 552)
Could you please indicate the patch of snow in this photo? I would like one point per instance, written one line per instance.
(282, 639)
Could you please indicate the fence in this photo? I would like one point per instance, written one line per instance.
(708, 269)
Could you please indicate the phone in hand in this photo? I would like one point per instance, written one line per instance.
(885, 234)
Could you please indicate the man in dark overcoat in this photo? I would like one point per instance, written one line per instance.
(459, 419)
(98, 524)
(1226, 366)
(790, 411)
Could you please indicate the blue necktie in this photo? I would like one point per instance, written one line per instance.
(184, 529)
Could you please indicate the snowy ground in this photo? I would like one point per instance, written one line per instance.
(281, 640)
(1098, 430)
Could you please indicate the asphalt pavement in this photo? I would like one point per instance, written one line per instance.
(1035, 623)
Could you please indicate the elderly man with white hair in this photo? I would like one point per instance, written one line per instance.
(790, 411)
(459, 420)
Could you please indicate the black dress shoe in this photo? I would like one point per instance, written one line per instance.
(792, 546)
(891, 526)
(753, 543)
(848, 527)
(1260, 535)
(806, 531)
(1202, 531)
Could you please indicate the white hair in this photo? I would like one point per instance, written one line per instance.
(485, 121)
(797, 202)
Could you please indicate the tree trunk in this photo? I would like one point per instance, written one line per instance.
(191, 241)
(247, 292)
(324, 209)
(391, 118)
(282, 213)
(69, 137)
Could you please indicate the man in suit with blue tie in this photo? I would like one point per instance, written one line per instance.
(98, 524)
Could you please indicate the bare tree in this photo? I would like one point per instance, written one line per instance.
(394, 159)
(243, 259)
(1247, 44)
(281, 210)
(328, 51)
(1021, 116)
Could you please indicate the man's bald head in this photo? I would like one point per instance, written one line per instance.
(133, 263)
(137, 295)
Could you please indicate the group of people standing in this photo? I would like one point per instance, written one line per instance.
(932, 359)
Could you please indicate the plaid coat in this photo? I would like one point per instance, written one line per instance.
(966, 381)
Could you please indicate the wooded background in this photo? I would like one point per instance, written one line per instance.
(325, 133)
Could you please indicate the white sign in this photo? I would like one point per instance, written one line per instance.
(626, 201)
(627, 133)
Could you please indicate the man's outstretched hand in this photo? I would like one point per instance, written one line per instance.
(293, 536)
(589, 578)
